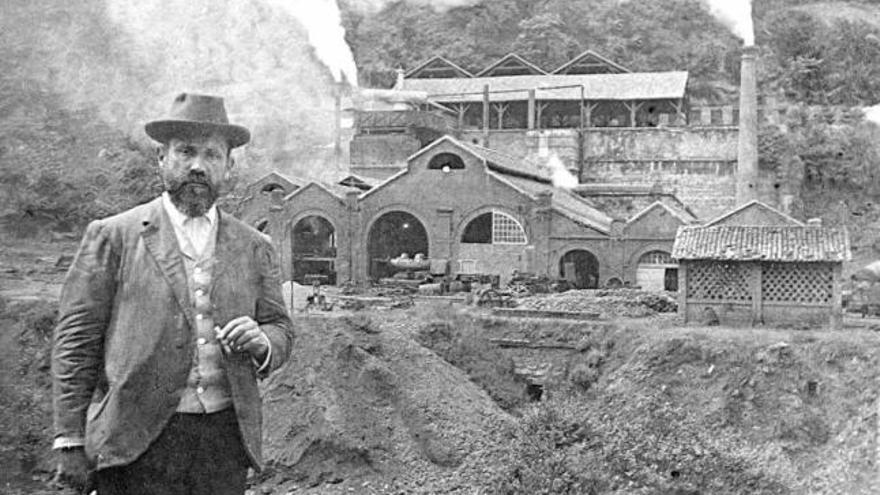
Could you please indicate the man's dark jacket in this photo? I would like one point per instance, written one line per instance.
(124, 343)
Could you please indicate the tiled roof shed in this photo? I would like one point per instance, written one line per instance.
(762, 243)
(749, 274)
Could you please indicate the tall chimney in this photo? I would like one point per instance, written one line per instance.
(747, 149)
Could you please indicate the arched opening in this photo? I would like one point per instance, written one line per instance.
(494, 227)
(393, 234)
(313, 246)
(580, 268)
(657, 271)
(272, 187)
(446, 161)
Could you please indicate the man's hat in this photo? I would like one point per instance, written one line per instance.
(193, 114)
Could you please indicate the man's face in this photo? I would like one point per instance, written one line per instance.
(193, 169)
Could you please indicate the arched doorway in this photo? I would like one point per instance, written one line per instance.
(657, 271)
(581, 268)
(313, 247)
(391, 235)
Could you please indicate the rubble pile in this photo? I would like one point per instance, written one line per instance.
(608, 303)
(362, 406)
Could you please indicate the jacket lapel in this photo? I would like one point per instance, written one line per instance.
(161, 242)
(225, 249)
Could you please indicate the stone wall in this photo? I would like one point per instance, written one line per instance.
(698, 164)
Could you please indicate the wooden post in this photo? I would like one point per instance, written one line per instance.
(500, 110)
(588, 114)
(757, 294)
(837, 298)
(486, 115)
(539, 113)
(683, 289)
(531, 110)
(462, 110)
(633, 110)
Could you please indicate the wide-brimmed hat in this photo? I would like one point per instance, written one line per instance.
(195, 114)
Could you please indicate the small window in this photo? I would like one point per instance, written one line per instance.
(656, 258)
(271, 187)
(506, 230)
(444, 160)
(494, 228)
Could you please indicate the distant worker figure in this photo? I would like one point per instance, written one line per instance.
(169, 314)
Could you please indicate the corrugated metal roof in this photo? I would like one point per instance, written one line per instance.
(626, 86)
(762, 243)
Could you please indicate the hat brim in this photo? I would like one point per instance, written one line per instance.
(164, 130)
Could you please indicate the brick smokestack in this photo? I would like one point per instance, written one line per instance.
(747, 149)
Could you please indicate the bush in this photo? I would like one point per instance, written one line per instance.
(458, 341)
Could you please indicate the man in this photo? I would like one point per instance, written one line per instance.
(169, 314)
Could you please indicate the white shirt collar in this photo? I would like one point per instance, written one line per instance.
(178, 217)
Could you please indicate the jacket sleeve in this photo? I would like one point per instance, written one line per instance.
(272, 314)
(84, 312)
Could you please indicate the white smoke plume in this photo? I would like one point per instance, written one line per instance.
(437, 5)
(559, 175)
(323, 22)
(128, 59)
(872, 114)
(736, 15)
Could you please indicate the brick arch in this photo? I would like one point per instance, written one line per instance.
(470, 216)
(371, 224)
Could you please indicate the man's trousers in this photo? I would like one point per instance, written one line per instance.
(196, 454)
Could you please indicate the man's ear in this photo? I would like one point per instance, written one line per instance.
(160, 153)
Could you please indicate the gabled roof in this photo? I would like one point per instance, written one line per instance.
(503, 163)
(591, 58)
(763, 208)
(337, 192)
(680, 213)
(276, 177)
(513, 65)
(495, 160)
(762, 243)
(564, 202)
(435, 64)
(616, 87)
(348, 179)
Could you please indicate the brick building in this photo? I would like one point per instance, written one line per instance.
(480, 210)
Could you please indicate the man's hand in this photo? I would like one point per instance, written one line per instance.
(72, 469)
(243, 334)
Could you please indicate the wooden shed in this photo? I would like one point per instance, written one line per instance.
(748, 275)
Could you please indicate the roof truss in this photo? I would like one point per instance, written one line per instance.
(511, 65)
(437, 67)
(590, 62)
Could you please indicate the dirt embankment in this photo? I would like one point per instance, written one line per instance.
(638, 406)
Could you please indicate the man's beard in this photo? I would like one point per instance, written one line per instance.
(193, 194)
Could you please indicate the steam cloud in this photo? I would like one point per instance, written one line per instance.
(323, 22)
(559, 175)
(128, 59)
(438, 5)
(736, 15)
(872, 114)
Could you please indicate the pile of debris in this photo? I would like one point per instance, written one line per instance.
(608, 303)
(363, 407)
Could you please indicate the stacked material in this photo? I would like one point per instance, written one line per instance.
(607, 303)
